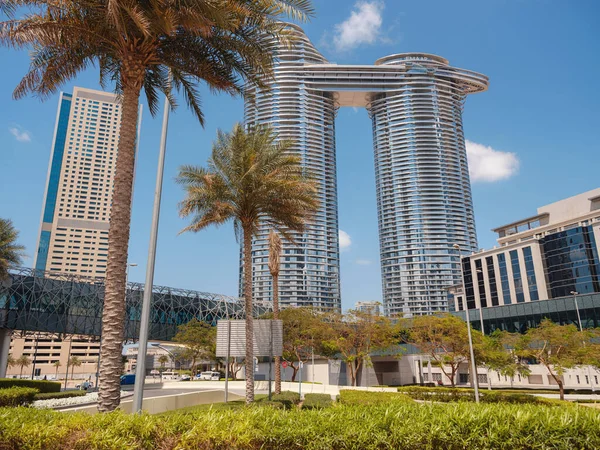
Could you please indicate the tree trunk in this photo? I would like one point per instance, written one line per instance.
(294, 372)
(249, 319)
(113, 314)
(561, 388)
(276, 317)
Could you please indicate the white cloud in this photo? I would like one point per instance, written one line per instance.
(363, 262)
(487, 164)
(362, 27)
(345, 241)
(20, 134)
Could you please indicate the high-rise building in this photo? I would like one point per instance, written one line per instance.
(551, 255)
(415, 101)
(76, 210)
(371, 307)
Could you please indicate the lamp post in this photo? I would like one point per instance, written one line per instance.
(140, 370)
(589, 370)
(468, 319)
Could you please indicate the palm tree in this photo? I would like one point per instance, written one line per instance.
(10, 361)
(74, 361)
(274, 252)
(56, 365)
(23, 361)
(162, 360)
(143, 45)
(11, 254)
(252, 179)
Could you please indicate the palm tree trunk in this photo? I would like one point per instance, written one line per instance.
(276, 317)
(249, 319)
(113, 315)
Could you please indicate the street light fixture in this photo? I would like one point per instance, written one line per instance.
(575, 294)
(468, 320)
(127, 274)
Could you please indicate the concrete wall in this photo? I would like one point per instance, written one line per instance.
(156, 405)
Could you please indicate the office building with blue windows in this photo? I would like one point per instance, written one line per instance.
(553, 255)
(76, 210)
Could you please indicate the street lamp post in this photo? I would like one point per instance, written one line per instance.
(468, 320)
(140, 370)
(589, 370)
(127, 274)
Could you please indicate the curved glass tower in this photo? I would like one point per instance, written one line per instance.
(415, 101)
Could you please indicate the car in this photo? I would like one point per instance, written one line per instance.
(185, 378)
(211, 375)
(128, 379)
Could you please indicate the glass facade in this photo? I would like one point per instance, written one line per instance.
(489, 262)
(571, 262)
(424, 200)
(480, 283)
(522, 316)
(504, 278)
(530, 272)
(517, 280)
(468, 280)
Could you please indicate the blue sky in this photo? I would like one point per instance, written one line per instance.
(533, 135)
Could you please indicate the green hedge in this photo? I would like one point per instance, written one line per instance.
(65, 394)
(17, 396)
(287, 398)
(40, 385)
(316, 401)
(395, 425)
(355, 397)
(444, 395)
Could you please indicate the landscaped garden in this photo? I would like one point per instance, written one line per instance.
(359, 420)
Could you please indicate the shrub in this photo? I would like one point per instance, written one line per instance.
(438, 394)
(65, 394)
(316, 401)
(272, 404)
(354, 397)
(287, 398)
(395, 425)
(17, 396)
(40, 385)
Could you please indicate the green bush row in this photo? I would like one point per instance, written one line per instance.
(40, 385)
(65, 394)
(445, 395)
(355, 397)
(287, 398)
(393, 425)
(17, 396)
(317, 401)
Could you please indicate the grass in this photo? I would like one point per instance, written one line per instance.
(391, 425)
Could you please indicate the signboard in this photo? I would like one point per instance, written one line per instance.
(268, 338)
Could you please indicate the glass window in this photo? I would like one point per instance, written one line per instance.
(504, 278)
(530, 273)
(514, 261)
(489, 262)
(480, 283)
(572, 264)
(468, 280)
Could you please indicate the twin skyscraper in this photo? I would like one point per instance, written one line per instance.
(415, 101)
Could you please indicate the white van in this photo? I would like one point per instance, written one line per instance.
(170, 375)
(213, 376)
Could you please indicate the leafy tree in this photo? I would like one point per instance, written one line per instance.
(252, 179)
(11, 361)
(355, 335)
(162, 360)
(274, 265)
(73, 361)
(56, 365)
(497, 354)
(199, 339)
(444, 339)
(11, 254)
(557, 348)
(142, 45)
(22, 361)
